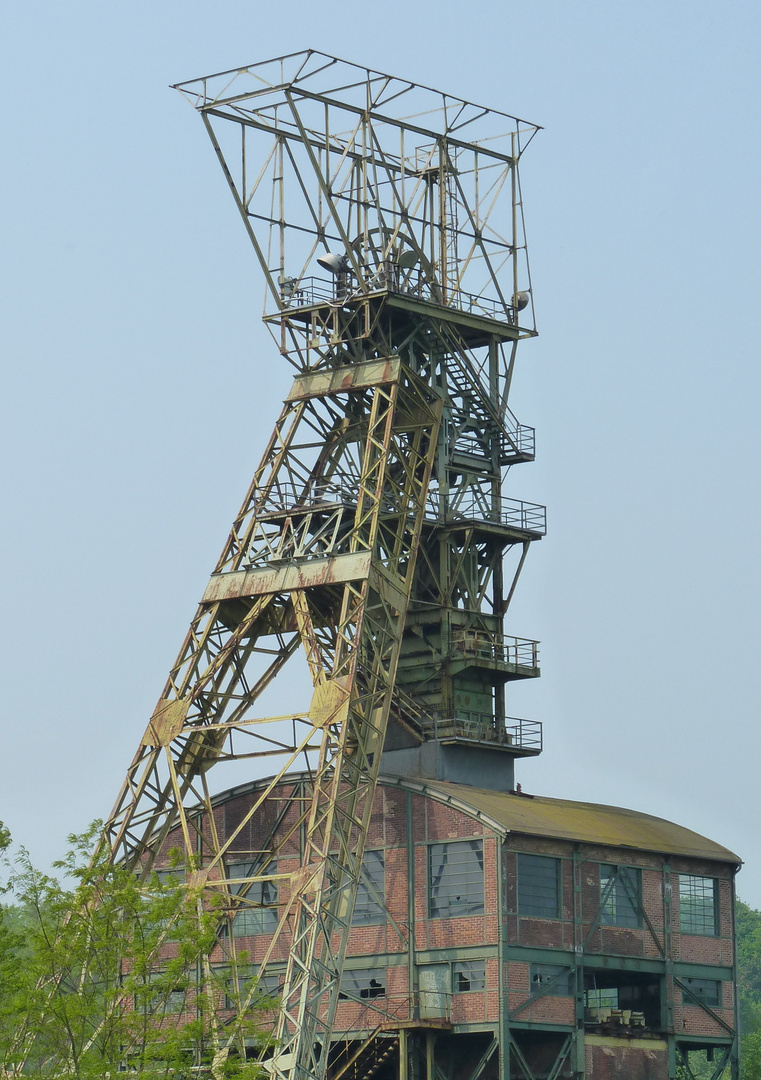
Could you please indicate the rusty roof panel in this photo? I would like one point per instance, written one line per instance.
(590, 823)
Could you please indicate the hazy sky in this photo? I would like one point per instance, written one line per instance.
(139, 386)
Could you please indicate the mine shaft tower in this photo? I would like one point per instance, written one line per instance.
(388, 223)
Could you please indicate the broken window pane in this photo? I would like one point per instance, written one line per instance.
(456, 876)
(362, 984)
(468, 975)
(557, 979)
(706, 990)
(370, 906)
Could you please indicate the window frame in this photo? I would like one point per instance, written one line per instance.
(268, 986)
(618, 919)
(522, 877)
(562, 988)
(685, 914)
(169, 1001)
(600, 992)
(694, 985)
(477, 975)
(263, 914)
(471, 901)
(368, 911)
(367, 993)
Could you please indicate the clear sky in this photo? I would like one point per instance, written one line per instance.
(139, 385)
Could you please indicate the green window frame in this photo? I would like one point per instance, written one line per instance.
(237, 987)
(558, 978)
(698, 905)
(601, 998)
(162, 1000)
(362, 984)
(708, 991)
(370, 906)
(468, 976)
(456, 879)
(539, 886)
(621, 896)
(262, 916)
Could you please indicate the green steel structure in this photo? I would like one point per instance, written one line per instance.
(387, 220)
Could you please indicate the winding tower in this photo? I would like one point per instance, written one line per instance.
(377, 537)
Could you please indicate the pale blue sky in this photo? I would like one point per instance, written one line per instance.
(139, 385)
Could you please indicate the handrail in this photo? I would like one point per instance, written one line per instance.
(311, 290)
(514, 513)
(531, 517)
(513, 651)
(481, 727)
(403, 1006)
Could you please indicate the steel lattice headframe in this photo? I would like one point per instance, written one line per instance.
(396, 429)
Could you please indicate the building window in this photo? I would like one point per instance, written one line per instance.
(621, 895)
(237, 988)
(156, 996)
(257, 913)
(605, 998)
(708, 991)
(539, 886)
(456, 875)
(370, 905)
(170, 879)
(557, 979)
(362, 984)
(468, 975)
(698, 907)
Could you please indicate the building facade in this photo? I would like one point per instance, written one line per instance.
(504, 935)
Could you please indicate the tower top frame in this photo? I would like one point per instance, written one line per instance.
(410, 190)
(255, 87)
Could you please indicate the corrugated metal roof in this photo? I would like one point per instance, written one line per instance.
(589, 823)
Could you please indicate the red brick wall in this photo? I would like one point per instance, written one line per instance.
(616, 1061)
(437, 822)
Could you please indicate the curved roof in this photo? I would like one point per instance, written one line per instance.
(562, 819)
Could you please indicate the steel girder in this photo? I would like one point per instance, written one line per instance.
(346, 606)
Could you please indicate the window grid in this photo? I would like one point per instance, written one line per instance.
(543, 974)
(255, 919)
(698, 908)
(456, 877)
(707, 990)
(606, 998)
(538, 886)
(369, 907)
(153, 1000)
(362, 984)
(621, 906)
(267, 986)
(468, 976)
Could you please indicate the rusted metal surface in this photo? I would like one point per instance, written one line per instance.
(359, 377)
(266, 581)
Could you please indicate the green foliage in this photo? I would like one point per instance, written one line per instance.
(749, 986)
(111, 973)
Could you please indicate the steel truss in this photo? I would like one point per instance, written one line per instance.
(377, 510)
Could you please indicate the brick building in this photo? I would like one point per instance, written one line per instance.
(500, 934)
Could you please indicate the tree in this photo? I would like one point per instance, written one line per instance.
(113, 973)
(749, 989)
